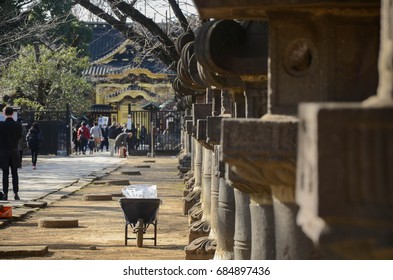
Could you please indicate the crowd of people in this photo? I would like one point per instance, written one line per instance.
(14, 138)
(107, 138)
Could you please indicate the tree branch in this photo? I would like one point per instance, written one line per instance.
(180, 16)
(149, 24)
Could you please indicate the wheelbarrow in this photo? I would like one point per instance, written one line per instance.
(140, 213)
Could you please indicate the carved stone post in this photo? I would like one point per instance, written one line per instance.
(242, 235)
(185, 157)
(247, 71)
(276, 233)
(345, 178)
(321, 51)
(226, 215)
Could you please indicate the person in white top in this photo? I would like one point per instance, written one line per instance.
(95, 131)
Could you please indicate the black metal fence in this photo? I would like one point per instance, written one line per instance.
(158, 133)
(157, 130)
(54, 126)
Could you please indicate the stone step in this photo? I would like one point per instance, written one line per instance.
(23, 251)
(131, 173)
(58, 222)
(36, 204)
(97, 197)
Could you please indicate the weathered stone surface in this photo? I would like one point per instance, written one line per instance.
(201, 111)
(96, 197)
(201, 131)
(262, 151)
(228, 47)
(131, 172)
(256, 10)
(345, 178)
(189, 126)
(190, 200)
(36, 204)
(142, 166)
(202, 248)
(58, 222)
(184, 162)
(323, 58)
(113, 182)
(23, 251)
(198, 229)
(213, 130)
(119, 194)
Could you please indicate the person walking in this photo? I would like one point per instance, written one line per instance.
(104, 140)
(83, 137)
(34, 138)
(112, 134)
(96, 133)
(138, 136)
(75, 139)
(92, 145)
(10, 133)
(142, 135)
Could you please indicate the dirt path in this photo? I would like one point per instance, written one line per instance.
(100, 234)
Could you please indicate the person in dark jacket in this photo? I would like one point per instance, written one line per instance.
(10, 133)
(122, 139)
(75, 139)
(34, 138)
(104, 140)
(83, 137)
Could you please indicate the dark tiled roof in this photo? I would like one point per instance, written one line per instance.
(151, 106)
(105, 58)
(105, 40)
(101, 108)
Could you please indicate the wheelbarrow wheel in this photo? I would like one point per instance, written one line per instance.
(139, 232)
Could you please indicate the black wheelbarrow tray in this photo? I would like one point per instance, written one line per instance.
(140, 213)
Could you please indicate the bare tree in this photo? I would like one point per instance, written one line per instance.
(143, 30)
(30, 22)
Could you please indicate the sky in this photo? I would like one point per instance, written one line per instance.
(158, 10)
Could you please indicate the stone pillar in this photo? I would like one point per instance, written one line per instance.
(226, 215)
(200, 216)
(345, 178)
(214, 196)
(256, 98)
(318, 52)
(249, 93)
(242, 235)
(273, 180)
(185, 156)
(201, 245)
(263, 227)
(196, 211)
(194, 194)
(189, 178)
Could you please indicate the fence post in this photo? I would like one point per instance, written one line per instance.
(152, 140)
(69, 132)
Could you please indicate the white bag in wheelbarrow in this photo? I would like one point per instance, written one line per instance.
(140, 191)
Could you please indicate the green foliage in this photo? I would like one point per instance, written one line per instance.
(42, 79)
(49, 22)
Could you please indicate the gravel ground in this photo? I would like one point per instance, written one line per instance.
(100, 231)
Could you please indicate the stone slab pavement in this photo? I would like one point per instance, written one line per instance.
(56, 177)
(100, 230)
